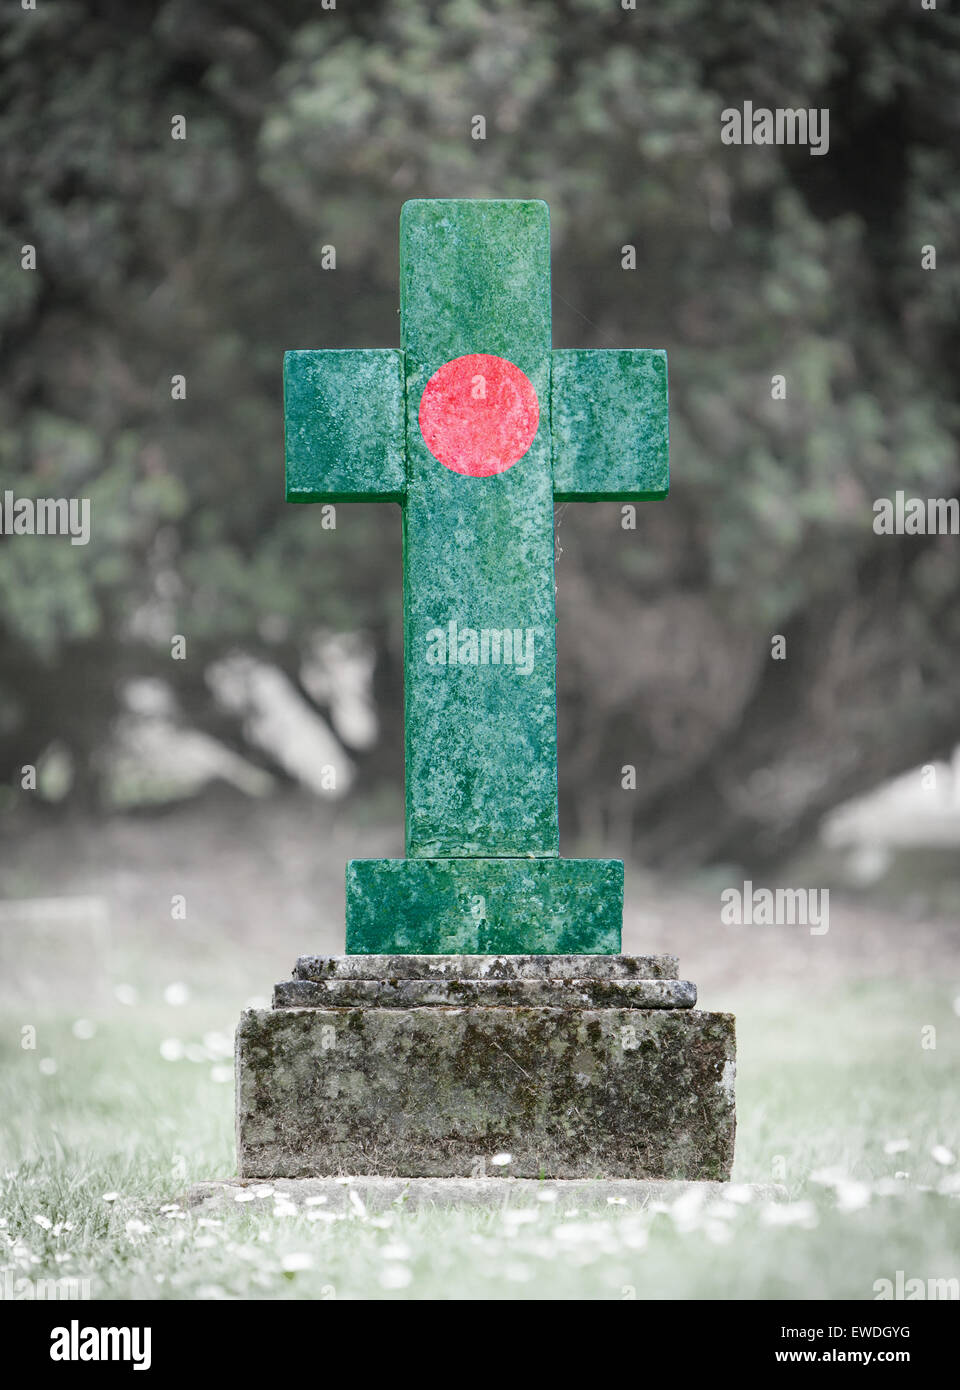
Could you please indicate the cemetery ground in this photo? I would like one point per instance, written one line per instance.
(127, 1096)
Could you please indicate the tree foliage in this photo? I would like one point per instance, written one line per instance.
(307, 128)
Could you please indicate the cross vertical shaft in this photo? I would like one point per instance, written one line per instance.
(481, 739)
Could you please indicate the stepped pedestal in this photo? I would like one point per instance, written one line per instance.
(586, 1066)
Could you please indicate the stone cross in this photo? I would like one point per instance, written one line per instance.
(476, 426)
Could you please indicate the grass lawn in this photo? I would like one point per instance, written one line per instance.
(94, 1155)
(127, 1096)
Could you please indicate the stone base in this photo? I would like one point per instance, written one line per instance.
(576, 1067)
(377, 1195)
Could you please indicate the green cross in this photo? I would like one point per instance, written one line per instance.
(483, 872)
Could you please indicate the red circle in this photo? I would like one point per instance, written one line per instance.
(479, 415)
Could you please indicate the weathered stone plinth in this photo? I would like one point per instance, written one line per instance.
(575, 1066)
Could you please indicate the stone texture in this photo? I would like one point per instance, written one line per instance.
(484, 906)
(343, 425)
(481, 740)
(429, 1092)
(378, 1195)
(410, 967)
(608, 413)
(458, 994)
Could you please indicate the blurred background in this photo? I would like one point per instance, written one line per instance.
(218, 674)
(210, 691)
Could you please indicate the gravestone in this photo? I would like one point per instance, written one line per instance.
(482, 1006)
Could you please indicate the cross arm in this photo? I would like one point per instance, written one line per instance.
(344, 425)
(608, 412)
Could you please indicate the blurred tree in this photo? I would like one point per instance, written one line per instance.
(307, 128)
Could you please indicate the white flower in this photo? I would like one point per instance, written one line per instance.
(84, 1029)
(896, 1146)
(171, 1049)
(218, 1044)
(297, 1260)
(852, 1196)
(520, 1216)
(941, 1154)
(633, 1233)
(828, 1177)
(789, 1214)
(395, 1277)
(176, 994)
(501, 1160)
(739, 1192)
(722, 1210)
(221, 1074)
(110, 1196)
(396, 1251)
(47, 1066)
(887, 1187)
(250, 1253)
(136, 1228)
(43, 1221)
(125, 994)
(686, 1210)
